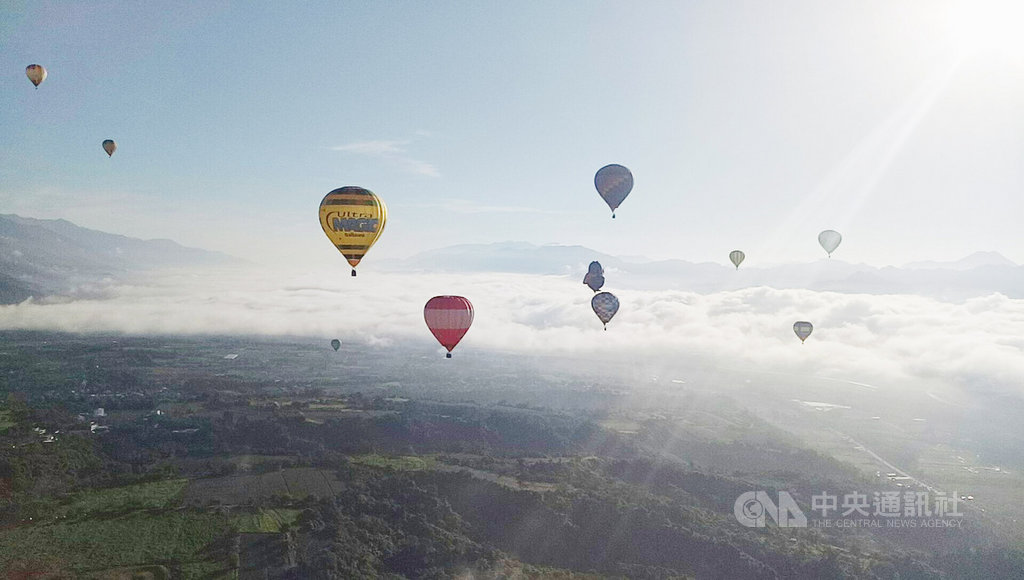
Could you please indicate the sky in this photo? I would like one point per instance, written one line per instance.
(747, 125)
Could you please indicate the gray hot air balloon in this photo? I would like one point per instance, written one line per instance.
(803, 329)
(595, 276)
(736, 257)
(109, 146)
(335, 344)
(613, 182)
(829, 239)
(605, 305)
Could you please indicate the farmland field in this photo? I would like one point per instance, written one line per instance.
(238, 489)
(100, 544)
(155, 495)
(396, 462)
(266, 521)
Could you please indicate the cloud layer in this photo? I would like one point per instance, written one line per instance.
(867, 338)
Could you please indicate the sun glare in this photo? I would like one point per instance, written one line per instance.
(988, 25)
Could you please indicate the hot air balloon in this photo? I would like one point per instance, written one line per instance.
(803, 329)
(36, 73)
(595, 276)
(335, 344)
(448, 318)
(353, 218)
(605, 305)
(109, 146)
(829, 239)
(736, 257)
(613, 182)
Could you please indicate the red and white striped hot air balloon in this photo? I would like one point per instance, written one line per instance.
(448, 318)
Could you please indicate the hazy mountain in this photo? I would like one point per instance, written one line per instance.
(515, 257)
(975, 260)
(45, 257)
(977, 274)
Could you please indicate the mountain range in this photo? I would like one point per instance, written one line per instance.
(56, 257)
(980, 273)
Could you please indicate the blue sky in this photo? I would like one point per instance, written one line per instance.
(750, 125)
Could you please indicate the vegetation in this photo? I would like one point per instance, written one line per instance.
(202, 474)
(266, 520)
(397, 463)
(169, 538)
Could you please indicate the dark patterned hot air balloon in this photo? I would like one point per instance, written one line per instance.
(605, 305)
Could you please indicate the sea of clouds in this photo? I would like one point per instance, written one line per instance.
(859, 336)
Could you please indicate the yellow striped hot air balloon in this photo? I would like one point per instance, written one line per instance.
(353, 218)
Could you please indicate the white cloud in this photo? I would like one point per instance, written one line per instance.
(393, 151)
(379, 147)
(877, 340)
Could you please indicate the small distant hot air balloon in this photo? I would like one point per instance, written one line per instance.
(109, 146)
(829, 240)
(448, 318)
(736, 257)
(335, 344)
(605, 305)
(36, 73)
(353, 218)
(595, 276)
(803, 329)
(613, 182)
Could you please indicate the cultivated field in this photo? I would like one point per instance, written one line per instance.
(103, 543)
(297, 483)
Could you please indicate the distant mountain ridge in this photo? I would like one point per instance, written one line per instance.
(46, 257)
(978, 274)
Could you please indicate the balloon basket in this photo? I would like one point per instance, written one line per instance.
(353, 272)
(447, 355)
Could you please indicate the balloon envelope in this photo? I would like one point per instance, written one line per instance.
(109, 146)
(448, 318)
(35, 73)
(829, 239)
(736, 257)
(803, 329)
(353, 218)
(595, 276)
(613, 183)
(335, 344)
(594, 281)
(605, 305)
